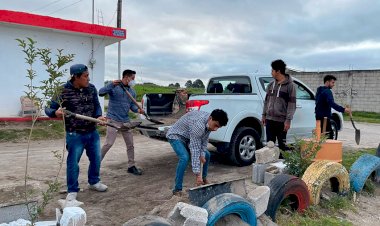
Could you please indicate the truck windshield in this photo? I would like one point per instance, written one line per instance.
(230, 84)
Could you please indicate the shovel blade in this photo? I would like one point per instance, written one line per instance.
(198, 196)
(357, 136)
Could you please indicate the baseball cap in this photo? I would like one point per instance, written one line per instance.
(78, 69)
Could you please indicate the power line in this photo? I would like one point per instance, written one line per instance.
(45, 6)
(65, 7)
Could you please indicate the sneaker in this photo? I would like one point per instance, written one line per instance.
(71, 196)
(135, 170)
(178, 193)
(98, 187)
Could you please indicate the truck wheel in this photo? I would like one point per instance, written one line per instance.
(334, 128)
(244, 143)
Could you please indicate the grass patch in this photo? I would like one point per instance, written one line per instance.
(363, 116)
(152, 88)
(313, 216)
(349, 157)
(42, 130)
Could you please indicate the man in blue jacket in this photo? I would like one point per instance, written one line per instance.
(324, 101)
(79, 96)
(117, 113)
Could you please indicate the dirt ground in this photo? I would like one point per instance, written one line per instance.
(130, 196)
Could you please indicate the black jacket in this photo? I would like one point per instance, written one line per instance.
(324, 101)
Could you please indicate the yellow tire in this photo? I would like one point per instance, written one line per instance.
(321, 171)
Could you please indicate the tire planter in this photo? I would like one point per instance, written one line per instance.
(287, 186)
(229, 203)
(362, 169)
(321, 171)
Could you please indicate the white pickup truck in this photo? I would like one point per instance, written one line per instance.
(241, 96)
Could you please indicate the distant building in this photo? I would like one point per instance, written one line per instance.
(74, 37)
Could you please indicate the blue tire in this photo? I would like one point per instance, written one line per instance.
(229, 203)
(362, 169)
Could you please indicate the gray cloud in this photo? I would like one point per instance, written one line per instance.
(171, 40)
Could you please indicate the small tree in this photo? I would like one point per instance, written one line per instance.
(50, 88)
(177, 85)
(302, 154)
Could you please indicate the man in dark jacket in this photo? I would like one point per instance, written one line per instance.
(324, 101)
(79, 96)
(279, 105)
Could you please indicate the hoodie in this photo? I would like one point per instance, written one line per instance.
(280, 100)
(324, 101)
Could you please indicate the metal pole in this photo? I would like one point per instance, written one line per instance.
(119, 4)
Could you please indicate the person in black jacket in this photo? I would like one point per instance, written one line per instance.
(324, 101)
(81, 97)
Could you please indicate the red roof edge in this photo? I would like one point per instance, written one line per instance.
(22, 18)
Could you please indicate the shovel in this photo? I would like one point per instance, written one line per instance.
(357, 131)
(135, 102)
(125, 126)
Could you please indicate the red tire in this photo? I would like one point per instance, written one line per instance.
(289, 187)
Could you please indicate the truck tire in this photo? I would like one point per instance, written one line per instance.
(244, 143)
(334, 127)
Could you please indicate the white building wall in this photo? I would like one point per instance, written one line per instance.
(13, 66)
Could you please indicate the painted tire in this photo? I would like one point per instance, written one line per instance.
(229, 203)
(362, 168)
(147, 220)
(287, 186)
(321, 171)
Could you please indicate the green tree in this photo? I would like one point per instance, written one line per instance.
(198, 84)
(189, 84)
(177, 85)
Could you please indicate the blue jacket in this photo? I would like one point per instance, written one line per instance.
(119, 102)
(324, 101)
(81, 101)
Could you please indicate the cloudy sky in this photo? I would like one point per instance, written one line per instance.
(177, 40)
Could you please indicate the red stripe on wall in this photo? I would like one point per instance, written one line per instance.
(7, 16)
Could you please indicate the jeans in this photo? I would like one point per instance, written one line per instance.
(182, 152)
(128, 139)
(76, 143)
(275, 130)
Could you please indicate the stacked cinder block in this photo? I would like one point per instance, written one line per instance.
(264, 157)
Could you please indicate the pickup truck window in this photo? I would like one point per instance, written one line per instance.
(230, 84)
(301, 91)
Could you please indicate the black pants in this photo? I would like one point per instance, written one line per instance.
(329, 132)
(275, 130)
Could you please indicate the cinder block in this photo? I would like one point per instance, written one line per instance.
(258, 171)
(280, 165)
(268, 176)
(186, 214)
(259, 198)
(267, 154)
(73, 216)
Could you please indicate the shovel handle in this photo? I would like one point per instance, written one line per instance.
(130, 96)
(67, 112)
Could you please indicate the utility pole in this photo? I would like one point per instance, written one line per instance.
(119, 4)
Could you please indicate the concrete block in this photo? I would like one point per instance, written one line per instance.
(258, 171)
(280, 165)
(259, 198)
(17, 211)
(186, 214)
(73, 216)
(268, 176)
(267, 154)
(264, 220)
